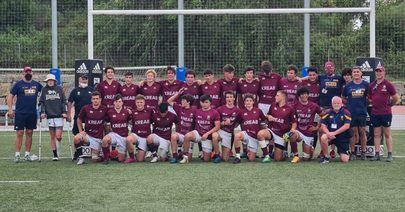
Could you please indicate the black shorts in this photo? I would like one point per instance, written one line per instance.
(342, 146)
(381, 120)
(358, 121)
(25, 121)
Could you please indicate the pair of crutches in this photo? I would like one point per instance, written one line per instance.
(40, 140)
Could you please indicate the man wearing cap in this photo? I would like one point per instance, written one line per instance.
(25, 114)
(54, 109)
(79, 97)
(383, 96)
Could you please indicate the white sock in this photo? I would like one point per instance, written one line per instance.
(17, 154)
(27, 153)
(237, 155)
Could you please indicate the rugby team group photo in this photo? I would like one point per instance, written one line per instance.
(260, 116)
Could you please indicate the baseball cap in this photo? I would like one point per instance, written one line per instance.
(50, 77)
(27, 69)
(380, 68)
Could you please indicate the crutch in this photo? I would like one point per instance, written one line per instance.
(70, 141)
(40, 140)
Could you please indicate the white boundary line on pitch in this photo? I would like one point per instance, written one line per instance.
(15, 181)
(12, 158)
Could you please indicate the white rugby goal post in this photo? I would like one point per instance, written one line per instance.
(180, 12)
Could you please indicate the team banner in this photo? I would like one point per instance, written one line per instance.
(92, 68)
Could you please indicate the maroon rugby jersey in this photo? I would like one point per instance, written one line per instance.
(170, 89)
(93, 120)
(229, 113)
(193, 90)
(245, 87)
(269, 85)
(128, 94)
(380, 95)
(214, 91)
(141, 121)
(305, 115)
(250, 121)
(290, 87)
(314, 90)
(285, 117)
(186, 119)
(162, 126)
(205, 120)
(108, 91)
(119, 121)
(151, 94)
(228, 86)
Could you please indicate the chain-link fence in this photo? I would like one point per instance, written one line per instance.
(210, 41)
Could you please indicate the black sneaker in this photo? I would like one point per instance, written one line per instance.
(376, 157)
(236, 160)
(363, 156)
(324, 160)
(352, 157)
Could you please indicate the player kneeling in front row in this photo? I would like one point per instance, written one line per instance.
(185, 115)
(229, 114)
(92, 116)
(206, 126)
(281, 121)
(141, 121)
(162, 131)
(335, 127)
(117, 119)
(251, 120)
(305, 112)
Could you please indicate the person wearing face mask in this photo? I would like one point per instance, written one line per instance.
(79, 97)
(26, 91)
(54, 109)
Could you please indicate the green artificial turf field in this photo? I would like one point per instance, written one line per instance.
(277, 186)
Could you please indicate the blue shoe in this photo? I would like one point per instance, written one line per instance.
(271, 155)
(243, 155)
(173, 160)
(217, 160)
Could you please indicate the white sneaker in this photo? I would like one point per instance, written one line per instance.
(55, 158)
(184, 160)
(17, 159)
(154, 160)
(80, 161)
(148, 154)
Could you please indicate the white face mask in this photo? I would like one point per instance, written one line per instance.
(83, 85)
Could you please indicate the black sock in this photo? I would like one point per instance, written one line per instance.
(79, 151)
(55, 153)
(200, 147)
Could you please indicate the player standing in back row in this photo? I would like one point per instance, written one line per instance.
(108, 88)
(382, 96)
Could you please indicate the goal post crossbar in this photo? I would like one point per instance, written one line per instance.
(181, 12)
(232, 11)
